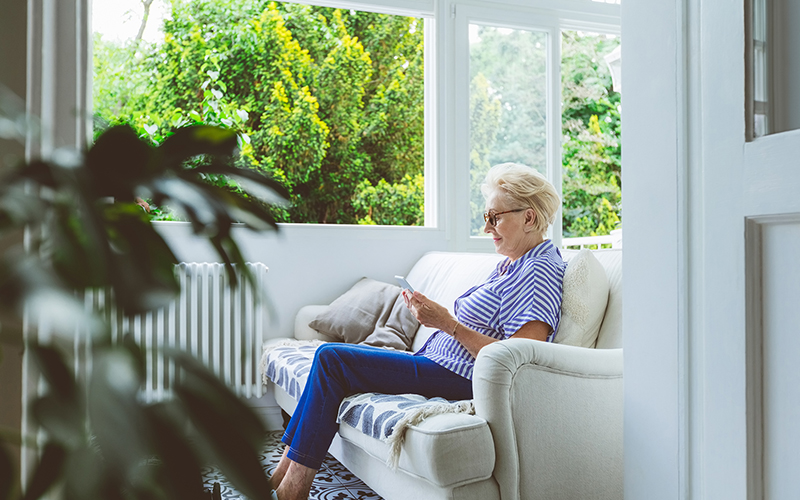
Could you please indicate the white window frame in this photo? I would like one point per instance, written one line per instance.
(537, 17)
(60, 85)
(466, 15)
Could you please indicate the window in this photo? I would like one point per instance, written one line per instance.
(773, 70)
(516, 66)
(507, 104)
(329, 101)
(591, 153)
(445, 27)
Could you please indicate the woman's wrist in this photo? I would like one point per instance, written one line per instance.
(455, 329)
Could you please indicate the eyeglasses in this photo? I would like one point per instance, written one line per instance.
(491, 215)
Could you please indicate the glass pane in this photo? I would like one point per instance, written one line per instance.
(591, 109)
(328, 101)
(508, 104)
(759, 64)
(775, 66)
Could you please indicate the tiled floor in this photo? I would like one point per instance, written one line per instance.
(333, 481)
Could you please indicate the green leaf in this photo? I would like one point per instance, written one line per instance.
(55, 371)
(182, 474)
(63, 419)
(196, 140)
(229, 427)
(78, 259)
(251, 175)
(142, 270)
(84, 475)
(48, 471)
(40, 172)
(7, 472)
(119, 161)
(118, 421)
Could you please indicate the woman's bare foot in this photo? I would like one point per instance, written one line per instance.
(296, 482)
(280, 471)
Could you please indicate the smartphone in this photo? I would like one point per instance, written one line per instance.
(403, 283)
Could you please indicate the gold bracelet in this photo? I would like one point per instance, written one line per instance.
(454, 329)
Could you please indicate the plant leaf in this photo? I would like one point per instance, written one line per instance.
(117, 418)
(64, 420)
(195, 140)
(231, 429)
(84, 475)
(249, 174)
(182, 474)
(7, 473)
(142, 271)
(55, 371)
(118, 161)
(48, 471)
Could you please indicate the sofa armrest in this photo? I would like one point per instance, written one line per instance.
(305, 316)
(555, 413)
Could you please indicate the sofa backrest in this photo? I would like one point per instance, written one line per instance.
(444, 276)
(610, 336)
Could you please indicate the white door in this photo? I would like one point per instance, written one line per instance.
(751, 236)
(712, 275)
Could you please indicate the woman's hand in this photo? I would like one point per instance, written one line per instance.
(428, 312)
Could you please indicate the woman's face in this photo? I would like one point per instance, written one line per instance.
(511, 238)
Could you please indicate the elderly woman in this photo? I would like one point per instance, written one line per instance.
(520, 299)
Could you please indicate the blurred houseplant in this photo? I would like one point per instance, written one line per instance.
(99, 440)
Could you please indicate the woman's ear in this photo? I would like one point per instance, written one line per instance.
(530, 218)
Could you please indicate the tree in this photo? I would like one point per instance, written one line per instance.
(514, 64)
(333, 97)
(591, 125)
(508, 100)
(485, 112)
(331, 102)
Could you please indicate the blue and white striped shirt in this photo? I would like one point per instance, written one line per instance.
(516, 292)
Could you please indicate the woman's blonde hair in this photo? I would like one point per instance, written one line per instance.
(526, 187)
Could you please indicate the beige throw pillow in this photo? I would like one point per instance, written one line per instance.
(585, 296)
(371, 313)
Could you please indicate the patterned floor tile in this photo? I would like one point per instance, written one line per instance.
(333, 481)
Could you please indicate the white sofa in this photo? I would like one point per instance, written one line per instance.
(548, 417)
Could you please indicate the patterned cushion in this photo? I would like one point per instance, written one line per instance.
(287, 364)
(379, 416)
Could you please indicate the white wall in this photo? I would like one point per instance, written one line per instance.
(652, 260)
(312, 263)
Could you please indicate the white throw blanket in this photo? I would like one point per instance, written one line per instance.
(382, 416)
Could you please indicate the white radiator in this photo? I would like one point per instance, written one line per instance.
(220, 326)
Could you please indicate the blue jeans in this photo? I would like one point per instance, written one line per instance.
(340, 370)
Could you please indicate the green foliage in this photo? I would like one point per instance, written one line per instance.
(99, 439)
(131, 449)
(591, 126)
(508, 121)
(330, 102)
(391, 204)
(508, 75)
(485, 115)
(514, 65)
(332, 97)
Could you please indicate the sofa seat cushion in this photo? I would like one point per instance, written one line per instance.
(417, 435)
(388, 416)
(447, 450)
(287, 363)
